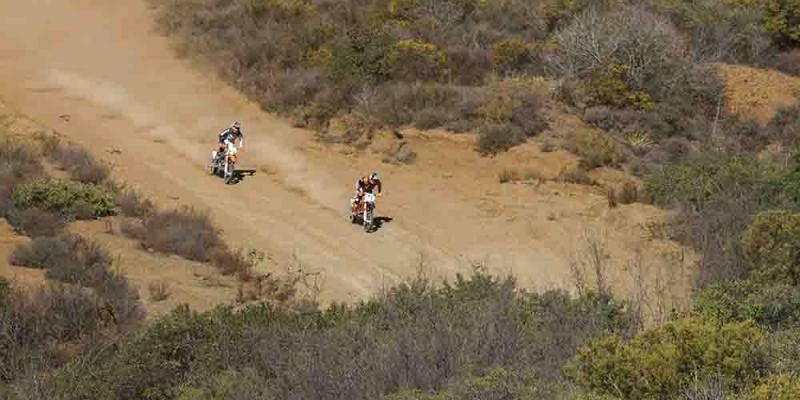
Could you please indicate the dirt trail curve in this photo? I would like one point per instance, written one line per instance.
(95, 71)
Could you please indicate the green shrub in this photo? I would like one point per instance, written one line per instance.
(771, 245)
(707, 176)
(782, 20)
(64, 197)
(495, 138)
(510, 55)
(772, 305)
(414, 60)
(720, 31)
(37, 324)
(785, 125)
(595, 149)
(781, 387)
(608, 87)
(660, 362)
(475, 333)
(786, 351)
(4, 288)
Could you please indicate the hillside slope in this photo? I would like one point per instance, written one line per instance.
(98, 74)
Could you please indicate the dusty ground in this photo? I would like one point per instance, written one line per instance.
(757, 93)
(97, 73)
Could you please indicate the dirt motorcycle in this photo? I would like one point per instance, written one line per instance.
(366, 212)
(223, 164)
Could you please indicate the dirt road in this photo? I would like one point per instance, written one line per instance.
(96, 72)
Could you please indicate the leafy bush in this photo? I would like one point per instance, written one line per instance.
(609, 87)
(64, 197)
(495, 138)
(782, 20)
(35, 322)
(496, 383)
(511, 55)
(715, 194)
(658, 363)
(771, 244)
(781, 387)
(594, 149)
(4, 288)
(786, 351)
(414, 60)
(785, 125)
(772, 305)
(707, 176)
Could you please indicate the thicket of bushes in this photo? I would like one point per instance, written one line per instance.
(433, 63)
(416, 336)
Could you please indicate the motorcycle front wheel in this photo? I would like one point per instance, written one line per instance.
(368, 221)
(229, 174)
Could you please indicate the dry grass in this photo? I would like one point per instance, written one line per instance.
(159, 291)
(511, 175)
(132, 204)
(575, 175)
(628, 193)
(757, 94)
(81, 165)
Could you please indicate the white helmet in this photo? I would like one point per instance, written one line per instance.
(373, 176)
(236, 125)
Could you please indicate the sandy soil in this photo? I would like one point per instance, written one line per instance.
(96, 72)
(756, 93)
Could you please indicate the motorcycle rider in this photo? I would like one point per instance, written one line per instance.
(366, 184)
(229, 136)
